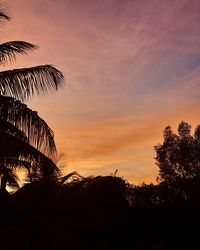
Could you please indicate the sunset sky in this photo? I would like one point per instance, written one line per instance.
(131, 68)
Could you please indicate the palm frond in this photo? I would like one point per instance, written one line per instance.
(4, 17)
(66, 177)
(22, 118)
(9, 175)
(15, 149)
(9, 50)
(26, 82)
(10, 129)
(13, 163)
(3, 14)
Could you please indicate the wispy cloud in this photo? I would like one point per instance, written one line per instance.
(131, 68)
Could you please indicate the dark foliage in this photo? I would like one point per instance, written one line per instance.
(10, 49)
(94, 213)
(102, 212)
(38, 133)
(85, 213)
(24, 83)
(179, 155)
(26, 141)
(3, 14)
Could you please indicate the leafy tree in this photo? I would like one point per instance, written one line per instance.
(178, 157)
(25, 139)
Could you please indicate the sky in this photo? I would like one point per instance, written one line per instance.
(131, 68)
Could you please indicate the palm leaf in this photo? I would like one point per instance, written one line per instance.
(22, 118)
(66, 177)
(3, 15)
(14, 164)
(9, 176)
(23, 83)
(12, 130)
(9, 50)
(15, 149)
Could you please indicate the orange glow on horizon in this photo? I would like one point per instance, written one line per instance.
(128, 76)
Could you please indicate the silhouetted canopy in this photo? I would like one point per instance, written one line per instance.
(9, 50)
(24, 83)
(17, 152)
(26, 141)
(36, 129)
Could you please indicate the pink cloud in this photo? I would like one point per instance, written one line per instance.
(128, 72)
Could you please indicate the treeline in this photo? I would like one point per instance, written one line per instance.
(102, 212)
(93, 213)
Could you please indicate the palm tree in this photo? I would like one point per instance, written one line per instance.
(26, 141)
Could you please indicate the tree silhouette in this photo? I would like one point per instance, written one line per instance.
(178, 157)
(26, 141)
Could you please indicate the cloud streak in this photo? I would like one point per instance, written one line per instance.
(131, 67)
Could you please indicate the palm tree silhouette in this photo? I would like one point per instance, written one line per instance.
(26, 141)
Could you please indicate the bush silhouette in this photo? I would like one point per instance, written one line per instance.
(178, 157)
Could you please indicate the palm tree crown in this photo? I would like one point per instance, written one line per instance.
(26, 141)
